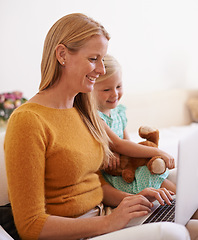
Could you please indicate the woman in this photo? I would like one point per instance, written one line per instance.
(54, 144)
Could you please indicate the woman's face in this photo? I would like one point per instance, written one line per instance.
(108, 92)
(85, 66)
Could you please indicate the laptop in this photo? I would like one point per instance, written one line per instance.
(186, 199)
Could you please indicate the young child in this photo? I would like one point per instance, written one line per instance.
(108, 91)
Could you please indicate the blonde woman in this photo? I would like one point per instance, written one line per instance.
(54, 146)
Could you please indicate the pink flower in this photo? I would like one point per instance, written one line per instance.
(8, 104)
(17, 103)
(2, 98)
(18, 94)
(9, 96)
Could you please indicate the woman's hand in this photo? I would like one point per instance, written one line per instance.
(138, 205)
(161, 195)
(130, 207)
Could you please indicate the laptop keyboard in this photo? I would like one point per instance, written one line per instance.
(164, 213)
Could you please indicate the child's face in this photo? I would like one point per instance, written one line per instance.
(108, 93)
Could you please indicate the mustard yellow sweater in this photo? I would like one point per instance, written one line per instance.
(51, 161)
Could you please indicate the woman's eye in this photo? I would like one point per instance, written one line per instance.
(106, 90)
(93, 59)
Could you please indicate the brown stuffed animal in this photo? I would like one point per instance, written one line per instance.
(128, 165)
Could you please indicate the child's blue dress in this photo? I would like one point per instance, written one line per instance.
(143, 178)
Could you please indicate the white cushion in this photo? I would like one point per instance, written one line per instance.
(4, 235)
(156, 231)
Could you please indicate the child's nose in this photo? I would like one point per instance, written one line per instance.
(115, 93)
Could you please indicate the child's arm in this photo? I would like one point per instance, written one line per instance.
(114, 161)
(129, 148)
(126, 135)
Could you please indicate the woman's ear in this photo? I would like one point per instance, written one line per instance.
(61, 53)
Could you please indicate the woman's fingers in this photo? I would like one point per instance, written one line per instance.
(130, 207)
(139, 208)
(161, 195)
(137, 202)
(165, 195)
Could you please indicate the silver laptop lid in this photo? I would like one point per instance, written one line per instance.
(187, 178)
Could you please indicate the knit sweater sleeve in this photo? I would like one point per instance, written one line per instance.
(25, 144)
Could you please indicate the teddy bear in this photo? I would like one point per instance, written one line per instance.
(128, 165)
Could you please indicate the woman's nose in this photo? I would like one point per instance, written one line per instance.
(100, 68)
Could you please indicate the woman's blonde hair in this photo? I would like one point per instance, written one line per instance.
(73, 31)
(112, 66)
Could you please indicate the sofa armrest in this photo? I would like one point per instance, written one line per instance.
(4, 235)
(4, 199)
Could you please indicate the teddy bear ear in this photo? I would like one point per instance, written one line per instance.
(150, 134)
(192, 104)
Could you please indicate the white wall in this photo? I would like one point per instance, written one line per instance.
(156, 41)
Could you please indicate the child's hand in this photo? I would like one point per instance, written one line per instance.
(114, 161)
(169, 160)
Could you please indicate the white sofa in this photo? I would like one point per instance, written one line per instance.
(165, 110)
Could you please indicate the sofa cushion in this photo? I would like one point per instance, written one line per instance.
(193, 107)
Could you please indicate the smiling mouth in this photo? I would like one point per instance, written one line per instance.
(113, 101)
(92, 79)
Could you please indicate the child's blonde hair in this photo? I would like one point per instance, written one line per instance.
(111, 66)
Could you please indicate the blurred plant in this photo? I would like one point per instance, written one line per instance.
(10, 101)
